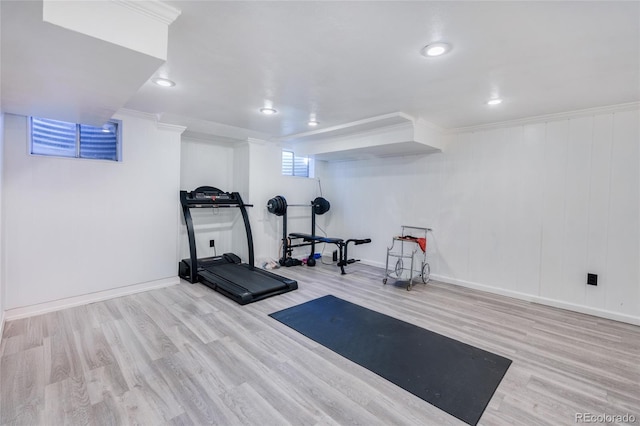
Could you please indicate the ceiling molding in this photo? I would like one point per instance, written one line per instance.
(256, 141)
(630, 106)
(210, 139)
(123, 112)
(136, 114)
(211, 128)
(153, 9)
(171, 127)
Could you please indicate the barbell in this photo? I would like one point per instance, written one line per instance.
(278, 205)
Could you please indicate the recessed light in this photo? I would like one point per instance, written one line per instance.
(495, 101)
(435, 49)
(268, 111)
(164, 82)
(313, 123)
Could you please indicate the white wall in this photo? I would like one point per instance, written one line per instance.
(266, 181)
(206, 163)
(2, 279)
(75, 227)
(241, 174)
(526, 210)
(2, 251)
(252, 168)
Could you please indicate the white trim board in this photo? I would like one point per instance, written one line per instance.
(85, 299)
(600, 313)
(1, 324)
(568, 115)
(156, 10)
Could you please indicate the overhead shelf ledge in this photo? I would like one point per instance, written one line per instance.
(387, 135)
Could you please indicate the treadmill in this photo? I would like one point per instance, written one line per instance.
(242, 282)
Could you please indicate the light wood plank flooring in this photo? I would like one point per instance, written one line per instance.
(186, 355)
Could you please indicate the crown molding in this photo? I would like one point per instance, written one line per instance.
(153, 9)
(136, 114)
(170, 127)
(210, 139)
(155, 118)
(256, 141)
(630, 106)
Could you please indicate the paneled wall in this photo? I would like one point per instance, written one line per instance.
(526, 210)
(73, 227)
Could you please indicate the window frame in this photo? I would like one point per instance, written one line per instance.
(309, 164)
(118, 133)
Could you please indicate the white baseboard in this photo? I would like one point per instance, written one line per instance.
(1, 323)
(85, 299)
(372, 263)
(602, 313)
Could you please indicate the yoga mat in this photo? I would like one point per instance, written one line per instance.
(453, 376)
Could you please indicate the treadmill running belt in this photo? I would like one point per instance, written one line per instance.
(252, 280)
(243, 284)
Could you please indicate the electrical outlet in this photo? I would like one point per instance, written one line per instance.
(212, 243)
(592, 279)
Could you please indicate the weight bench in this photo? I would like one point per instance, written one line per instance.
(343, 245)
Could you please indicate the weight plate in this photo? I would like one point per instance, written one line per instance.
(321, 206)
(277, 205)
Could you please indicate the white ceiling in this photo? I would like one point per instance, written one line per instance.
(348, 61)
(50, 71)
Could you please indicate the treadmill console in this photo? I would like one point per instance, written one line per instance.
(208, 195)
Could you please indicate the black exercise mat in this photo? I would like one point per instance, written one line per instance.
(455, 377)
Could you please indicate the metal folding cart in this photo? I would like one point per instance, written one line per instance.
(410, 246)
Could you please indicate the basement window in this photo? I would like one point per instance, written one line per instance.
(62, 139)
(293, 165)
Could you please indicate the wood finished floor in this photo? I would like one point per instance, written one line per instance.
(185, 355)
